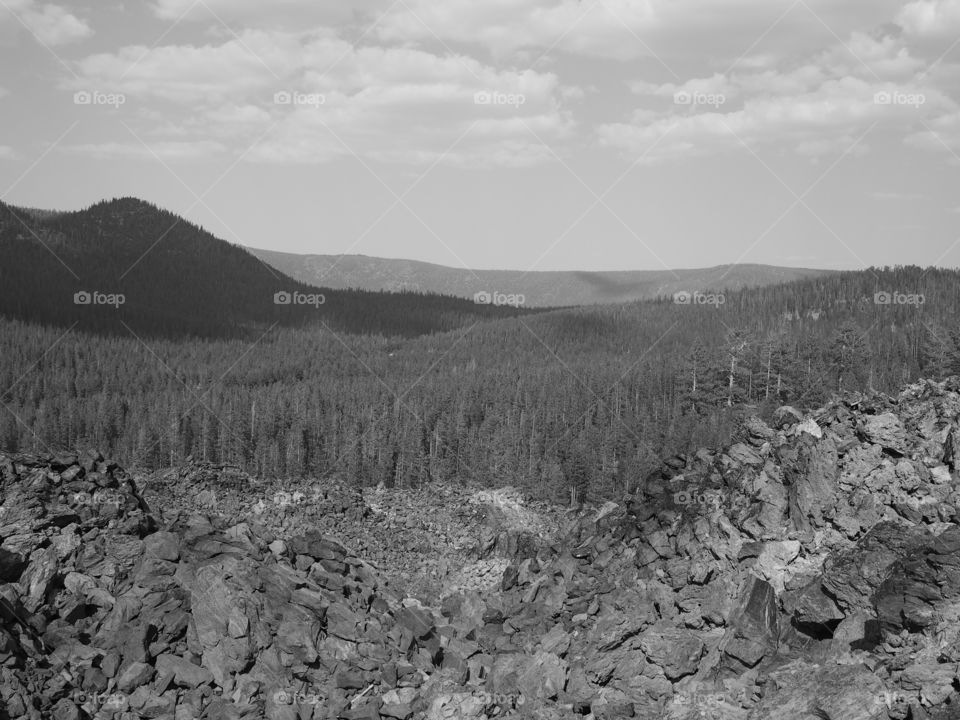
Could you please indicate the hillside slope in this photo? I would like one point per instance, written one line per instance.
(540, 288)
(125, 266)
(806, 571)
(583, 399)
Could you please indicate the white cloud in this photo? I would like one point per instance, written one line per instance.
(402, 104)
(413, 100)
(193, 75)
(51, 24)
(275, 14)
(818, 105)
(722, 30)
(826, 119)
(7, 152)
(168, 151)
(940, 135)
(881, 57)
(931, 17)
(716, 85)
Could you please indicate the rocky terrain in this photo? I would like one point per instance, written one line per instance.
(810, 570)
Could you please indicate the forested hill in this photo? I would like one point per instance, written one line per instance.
(589, 398)
(142, 269)
(540, 288)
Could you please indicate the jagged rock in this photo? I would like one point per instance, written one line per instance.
(773, 561)
(676, 651)
(812, 609)
(918, 584)
(887, 431)
(852, 577)
(417, 620)
(785, 416)
(800, 691)
(753, 628)
(932, 683)
(183, 672)
(136, 675)
(811, 473)
(831, 540)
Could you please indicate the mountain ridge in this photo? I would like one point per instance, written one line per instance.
(541, 288)
(160, 274)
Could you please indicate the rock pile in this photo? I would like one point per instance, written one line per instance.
(806, 571)
(809, 570)
(429, 541)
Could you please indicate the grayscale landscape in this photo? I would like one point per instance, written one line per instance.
(528, 359)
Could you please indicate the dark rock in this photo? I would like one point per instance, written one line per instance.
(918, 585)
(753, 628)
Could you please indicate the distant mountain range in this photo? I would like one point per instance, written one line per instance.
(539, 288)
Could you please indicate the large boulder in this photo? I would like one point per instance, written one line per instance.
(753, 629)
(885, 430)
(801, 691)
(676, 651)
(917, 585)
(811, 474)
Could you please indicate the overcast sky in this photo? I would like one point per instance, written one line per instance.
(527, 134)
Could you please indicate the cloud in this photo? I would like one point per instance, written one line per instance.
(315, 93)
(879, 56)
(941, 135)
(825, 119)
(51, 24)
(6, 152)
(815, 105)
(722, 30)
(315, 97)
(168, 151)
(275, 14)
(930, 18)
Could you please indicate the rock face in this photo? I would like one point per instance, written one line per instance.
(807, 572)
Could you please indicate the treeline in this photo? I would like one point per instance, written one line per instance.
(590, 399)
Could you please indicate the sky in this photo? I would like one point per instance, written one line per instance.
(507, 134)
